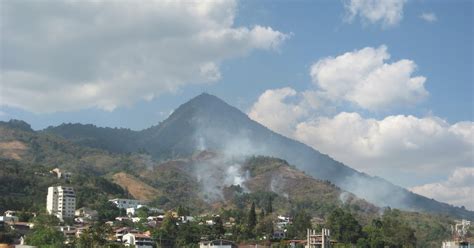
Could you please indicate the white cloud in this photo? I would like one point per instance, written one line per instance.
(458, 189)
(364, 78)
(274, 110)
(387, 12)
(429, 17)
(405, 143)
(403, 149)
(68, 55)
(397, 142)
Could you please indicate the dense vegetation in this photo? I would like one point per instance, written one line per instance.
(207, 121)
(24, 186)
(25, 176)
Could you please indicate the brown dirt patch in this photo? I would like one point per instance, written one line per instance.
(12, 149)
(138, 189)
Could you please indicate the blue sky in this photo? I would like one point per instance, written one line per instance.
(50, 75)
(442, 50)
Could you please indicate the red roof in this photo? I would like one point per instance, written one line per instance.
(141, 235)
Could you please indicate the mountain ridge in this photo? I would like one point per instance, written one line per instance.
(206, 182)
(207, 122)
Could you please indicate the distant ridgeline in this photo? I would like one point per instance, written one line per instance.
(208, 123)
(209, 177)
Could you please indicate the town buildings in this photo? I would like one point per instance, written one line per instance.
(125, 203)
(459, 231)
(61, 202)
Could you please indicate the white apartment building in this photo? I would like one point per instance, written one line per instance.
(61, 201)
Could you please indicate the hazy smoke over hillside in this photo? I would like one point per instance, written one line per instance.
(224, 169)
(344, 197)
(206, 123)
(234, 148)
(377, 192)
(277, 185)
(216, 173)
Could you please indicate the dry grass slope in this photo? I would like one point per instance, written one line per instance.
(137, 188)
(12, 149)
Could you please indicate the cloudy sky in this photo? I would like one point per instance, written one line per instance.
(383, 86)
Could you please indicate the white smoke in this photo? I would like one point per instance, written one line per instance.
(277, 185)
(235, 176)
(344, 197)
(217, 173)
(201, 144)
(147, 161)
(225, 168)
(385, 195)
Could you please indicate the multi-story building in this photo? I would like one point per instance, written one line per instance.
(61, 202)
(315, 240)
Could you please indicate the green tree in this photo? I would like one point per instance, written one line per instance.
(168, 230)
(251, 222)
(269, 205)
(7, 236)
(396, 232)
(94, 237)
(389, 231)
(45, 236)
(142, 212)
(301, 222)
(261, 215)
(107, 210)
(265, 227)
(373, 235)
(182, 211)
(252, 217)
(344, 227)
(24, 216)
(44, 233)
(188, 234)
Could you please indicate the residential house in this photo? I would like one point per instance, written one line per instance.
(61, 174)
(138, 240)
(85, 215)
(69, 232)
(120, 232)
(9, 216)
(219, 243)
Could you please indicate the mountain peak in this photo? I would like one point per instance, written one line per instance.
(206, 99)
(206, 95)
(208, 123)
(207, 105)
